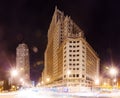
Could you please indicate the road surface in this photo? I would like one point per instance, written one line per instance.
(36, 93)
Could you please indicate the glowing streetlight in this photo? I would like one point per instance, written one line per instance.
(68, 72)
(42, 82)
(113, 72)
(97, 82)
(21, 80)
(14, 72)
(48, 79)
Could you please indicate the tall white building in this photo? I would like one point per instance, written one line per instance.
(69, 59)
(23, 63)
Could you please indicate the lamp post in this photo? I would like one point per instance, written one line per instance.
(68, 73)
(13, 74)
(113, 72)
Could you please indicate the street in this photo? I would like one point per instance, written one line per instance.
(38, 93)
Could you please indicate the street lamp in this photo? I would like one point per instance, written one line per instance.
(113, 72)
(48, 79)
(97, 82)
(68, 73)
(14, 72)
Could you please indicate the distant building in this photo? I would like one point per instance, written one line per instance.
(22, 62)
(69, 59)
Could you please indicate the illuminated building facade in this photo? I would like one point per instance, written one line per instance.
(22, 62)
(69, 59)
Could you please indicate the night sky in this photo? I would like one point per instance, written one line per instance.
(28, 21)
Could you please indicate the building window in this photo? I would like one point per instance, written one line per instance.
(77, 50)
(83, 56)
(64, 47)
(73, 55)
(74, 42)
(83, 61)
(73, 46)
(73, 50)
(83, 76)
(83, 47)
(83, 43)
(70, 46)
(64, 60)
(83, 65)
(83, 51)
(73, 75)
(70, 41)
(70, 55)
(78, 46)
(78, 41)
(70, 50)
(77, 75)
(83, 69)
(64, 52)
